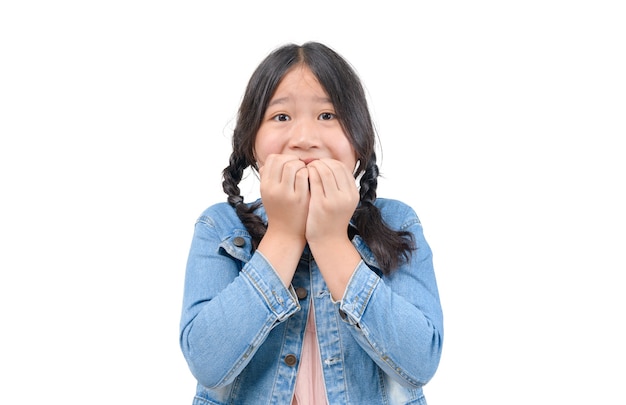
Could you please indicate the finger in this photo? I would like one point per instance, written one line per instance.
(273, 167)
(267, 171)
(301, 182)
(291, 169)
(344, 179)
(315, 181)
(325, 177)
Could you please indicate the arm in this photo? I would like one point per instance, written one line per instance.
(397, 319)
(227, 313)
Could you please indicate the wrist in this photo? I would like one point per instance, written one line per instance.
(282, 252)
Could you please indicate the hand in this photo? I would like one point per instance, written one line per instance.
(334, 197)
(285, 193)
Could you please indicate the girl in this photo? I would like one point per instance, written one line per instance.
(319, 292)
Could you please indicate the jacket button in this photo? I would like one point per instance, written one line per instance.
(301, 293)
(290, 360)
(239, 241)
(342, 314)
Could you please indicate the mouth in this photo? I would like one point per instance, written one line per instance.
(308, 160)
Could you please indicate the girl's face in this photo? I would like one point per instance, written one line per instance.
(300, 120)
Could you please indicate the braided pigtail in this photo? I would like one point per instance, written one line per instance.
(390, 247)
(232, 176)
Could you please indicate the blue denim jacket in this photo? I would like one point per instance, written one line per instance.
(242, 330)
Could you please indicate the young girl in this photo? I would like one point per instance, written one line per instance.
(319, 292)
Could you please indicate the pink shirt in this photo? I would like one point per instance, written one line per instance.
(310, 389)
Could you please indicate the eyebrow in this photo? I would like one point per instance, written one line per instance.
(283, 100)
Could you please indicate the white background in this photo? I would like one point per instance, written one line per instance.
(502, 124)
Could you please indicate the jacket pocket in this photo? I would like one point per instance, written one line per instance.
(203, 401)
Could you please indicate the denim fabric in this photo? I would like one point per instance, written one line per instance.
(241, 330)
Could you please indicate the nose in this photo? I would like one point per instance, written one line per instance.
(304, 135)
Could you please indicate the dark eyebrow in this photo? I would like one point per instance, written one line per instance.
(277, 101)
(284, 99)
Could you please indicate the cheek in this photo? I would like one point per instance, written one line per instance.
(264, 146)
(348, 156)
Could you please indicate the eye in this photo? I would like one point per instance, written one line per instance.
(327, 116)
(281, 117)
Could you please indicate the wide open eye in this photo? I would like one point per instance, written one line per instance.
(281, 117)
(327, 116)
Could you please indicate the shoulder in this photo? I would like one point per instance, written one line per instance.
(397, 214)
(220, 215)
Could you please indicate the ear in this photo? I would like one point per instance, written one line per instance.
(254, 164)
(357, 168)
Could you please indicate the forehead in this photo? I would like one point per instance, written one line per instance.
(300, 80)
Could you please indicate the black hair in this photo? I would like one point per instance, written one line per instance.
(343, 86)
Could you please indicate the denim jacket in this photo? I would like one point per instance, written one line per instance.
(242, 330)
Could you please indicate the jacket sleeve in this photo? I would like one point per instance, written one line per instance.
(228, 311)
(397, 319)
